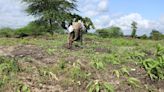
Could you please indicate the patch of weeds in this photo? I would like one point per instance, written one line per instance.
(113, 59)
(23, 88)
(124, 42)
(98, 86)
(62, 64)
(8, 70)
(97, 63)
(47, 73)
(77, 74)
(50, 51)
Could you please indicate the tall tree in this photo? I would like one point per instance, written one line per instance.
(134, 29)
(87, 21)
(51, 12)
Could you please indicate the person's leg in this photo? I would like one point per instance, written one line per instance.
(76, 36)
(81, 37)
(70, 39)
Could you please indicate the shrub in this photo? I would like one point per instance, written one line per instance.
(6, 32)
(109, 32)
(144, 36)
(32, 29)
(155, 35)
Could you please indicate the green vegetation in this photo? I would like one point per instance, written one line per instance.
(110, 32)
(156, 35)
(6, 32)
(134, 29)
(97, 86)
(155, 66)
(102, 65)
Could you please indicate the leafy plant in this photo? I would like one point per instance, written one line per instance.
(113, 59)
(117, 73)
(98, 64)
(23, 88)
(7, 68)
(133, 82)
(122, 71)
(76, 72)
(97, 86)
(137, 55)
(50, 51)
(159, 50)
(155, 66)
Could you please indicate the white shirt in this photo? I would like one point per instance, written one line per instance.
(70, 29)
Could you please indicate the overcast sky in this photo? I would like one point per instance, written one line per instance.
(149, 14)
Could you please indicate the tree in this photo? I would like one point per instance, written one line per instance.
(134, 29)
(51, 12)
(155, 35)
(87, 21)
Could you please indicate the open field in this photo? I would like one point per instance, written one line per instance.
(44, 64)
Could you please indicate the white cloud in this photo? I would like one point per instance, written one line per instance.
(103, 5)
(144, 25)
(12, 14)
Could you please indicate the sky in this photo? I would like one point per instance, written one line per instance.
(149, 14)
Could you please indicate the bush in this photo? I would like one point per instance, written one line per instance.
(32, 29)
(155, 35)
(6, 32)
(59, 30)
(144, 36)
(109, 32)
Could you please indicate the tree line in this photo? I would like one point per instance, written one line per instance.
(114, 31)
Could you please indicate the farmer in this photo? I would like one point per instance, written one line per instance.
(75, 30)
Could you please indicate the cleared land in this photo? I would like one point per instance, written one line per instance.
(44, 64)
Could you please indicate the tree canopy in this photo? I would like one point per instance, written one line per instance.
(52, 13)
(134, 29)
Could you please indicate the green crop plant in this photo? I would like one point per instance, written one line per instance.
(123, 71)
(137, 55)
(134, 82)
(155, 66)
(98, 64)
(98, 86)
(159, 50)
(113, 59)
(76, 72)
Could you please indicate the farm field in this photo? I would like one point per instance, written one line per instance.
(44, 64)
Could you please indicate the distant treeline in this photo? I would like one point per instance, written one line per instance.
(34, 29)
(117, 32)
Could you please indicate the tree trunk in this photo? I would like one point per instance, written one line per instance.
(50, 30)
